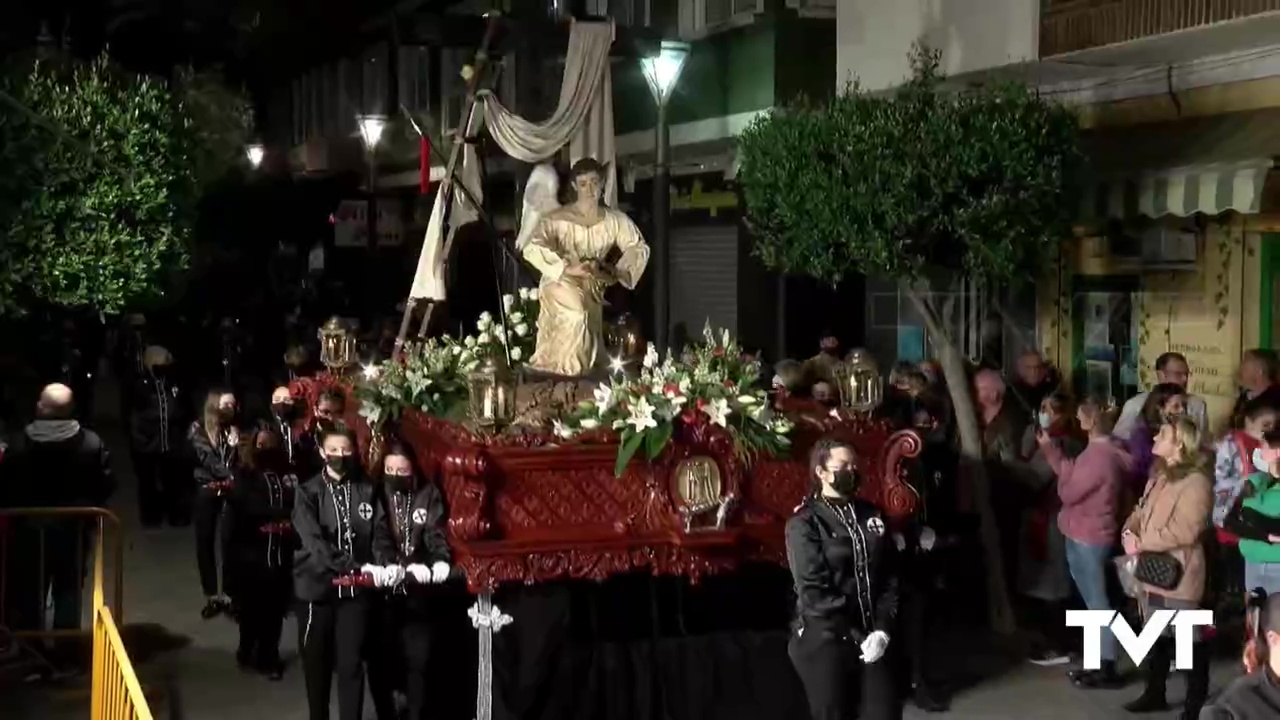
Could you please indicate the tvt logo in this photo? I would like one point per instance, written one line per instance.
(1137, 645)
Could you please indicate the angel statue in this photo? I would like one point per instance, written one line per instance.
(579, 249)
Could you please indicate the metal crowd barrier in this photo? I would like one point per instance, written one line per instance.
(43, 550)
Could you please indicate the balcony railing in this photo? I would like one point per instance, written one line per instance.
(1070, 25)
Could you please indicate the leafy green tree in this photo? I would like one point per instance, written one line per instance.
(103, 172)
(930, 186)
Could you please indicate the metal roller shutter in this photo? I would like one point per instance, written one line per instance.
(704, 278)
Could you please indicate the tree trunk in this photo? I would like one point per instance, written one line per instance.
(971, 460)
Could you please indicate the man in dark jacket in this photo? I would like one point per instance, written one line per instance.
(157, 425)
(1256, 695)
(54, 462)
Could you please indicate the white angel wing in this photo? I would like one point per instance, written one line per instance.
(541, 196)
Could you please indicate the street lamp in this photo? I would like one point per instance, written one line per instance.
(661, 72)
(255, 152)
(371, 128)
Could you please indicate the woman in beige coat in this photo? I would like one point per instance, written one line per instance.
(1172, 518)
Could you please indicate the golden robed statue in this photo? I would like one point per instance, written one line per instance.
(580, 249)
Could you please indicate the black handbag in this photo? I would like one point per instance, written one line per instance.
(1158, 569)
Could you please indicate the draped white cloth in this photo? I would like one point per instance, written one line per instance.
(583, 120)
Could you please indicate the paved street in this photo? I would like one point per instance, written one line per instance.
(197, 679)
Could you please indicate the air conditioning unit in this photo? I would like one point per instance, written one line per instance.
(1170, 248)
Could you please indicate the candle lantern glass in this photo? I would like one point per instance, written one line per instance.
(625, 339)
(861, 387)
(491, 389)
(337, 345)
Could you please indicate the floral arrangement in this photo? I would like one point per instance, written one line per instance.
(712, 382)
(431, 376)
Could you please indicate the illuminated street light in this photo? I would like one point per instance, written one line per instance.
(371, 127)
(255, 152)
(662, 72)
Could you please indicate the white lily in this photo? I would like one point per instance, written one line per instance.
(641, 415)
(604, 397)
(516, 353)
(717, 411)
(515, 317)
(456, 349)
(588, 423)
(483, 338)
(522, 329)
(469, 341)
(561, 430)
(747, 400)
(508, 302)
(650, 356)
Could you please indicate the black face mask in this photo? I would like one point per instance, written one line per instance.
(398, 483)
(845, 482)
(160, 371)
(227, 415)
(271, 458)
(340, 465)
(284, 411)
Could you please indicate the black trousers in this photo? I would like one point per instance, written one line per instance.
(43, 558)
(382, 656)
(207, 510)
(838, 685)
(922, 602)
(331, 641)
(263, 601)
(398, 652)
(1159, 662)
(164, 485)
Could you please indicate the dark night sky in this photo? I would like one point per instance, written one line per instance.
(254, 41)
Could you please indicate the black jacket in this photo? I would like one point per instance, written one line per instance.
(1252, 697)
(417, 527)
(57, 463)
(258, 499)
(158, 416)
(213, 461)
(842, 561)
(341, 526)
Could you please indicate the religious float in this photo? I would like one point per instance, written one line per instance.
(568, 453)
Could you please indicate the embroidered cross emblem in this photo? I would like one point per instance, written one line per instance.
(365, 511)
(876, 526)
(419, 516)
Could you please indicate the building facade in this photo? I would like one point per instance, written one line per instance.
(1175, 248)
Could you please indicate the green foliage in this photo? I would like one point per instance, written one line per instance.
(103, 172)
(978, 181)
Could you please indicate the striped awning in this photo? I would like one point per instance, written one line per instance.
(1210, 189)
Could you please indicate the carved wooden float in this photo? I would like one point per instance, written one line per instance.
(528, 507)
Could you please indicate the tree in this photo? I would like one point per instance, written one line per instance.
(103, 173)
(930, 186)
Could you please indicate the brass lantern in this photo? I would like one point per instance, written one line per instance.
(624, 339)
(861, 388)
(337, 345)
(491, 390)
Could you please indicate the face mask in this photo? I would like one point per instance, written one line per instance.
(845, 482)
(160, 370)
(399, 483)
(339, 464)
(324, 424)
(226, 415)
(284, 411)
(1044, 420)
(1261, 461)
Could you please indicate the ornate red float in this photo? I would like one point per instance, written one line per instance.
(529, 507)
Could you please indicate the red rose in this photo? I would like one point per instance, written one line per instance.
(729, 383)
(671, 389)
(718, 352)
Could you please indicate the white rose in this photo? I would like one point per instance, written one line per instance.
(456, 349)
(533, 294)
(484, 338)
(516, 353)
(588, 423)
(515, 317)
(524, 293)
(470, 341)
(522, 329)
(508, 302)
(747, 400)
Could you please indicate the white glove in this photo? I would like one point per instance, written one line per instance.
(439, 572)
(421, 573)
(927, 538)
(874, 646)
(392, 575)
(899, 542)
(374, 572)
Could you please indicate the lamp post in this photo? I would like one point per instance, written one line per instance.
(371, 127)
(662, 71)
(255, 153)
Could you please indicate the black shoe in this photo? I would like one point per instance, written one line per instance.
(244, 660)
(1147, 704)
(272, 670)
(929, 701)
(212, 607)
(1097, 680)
